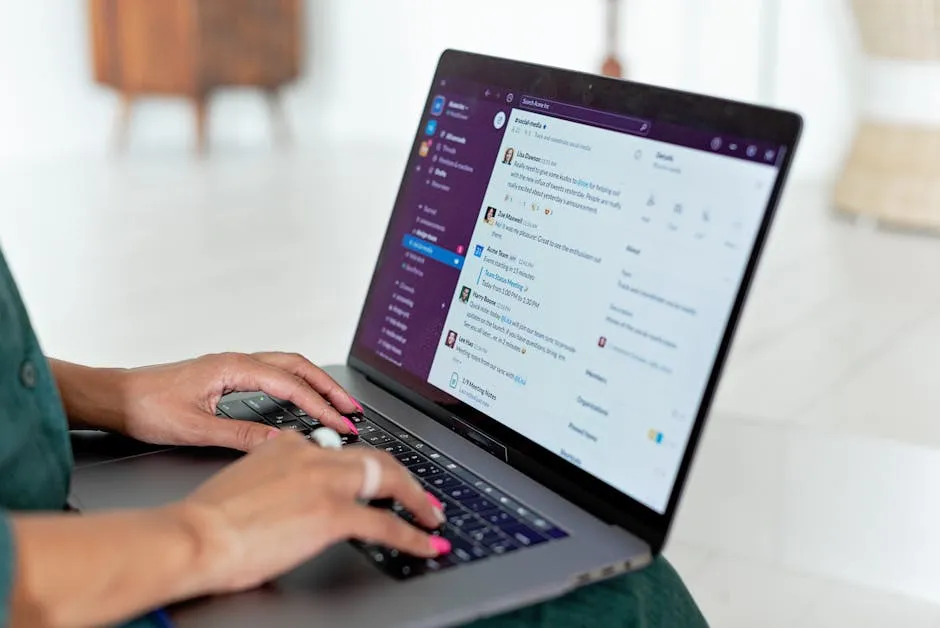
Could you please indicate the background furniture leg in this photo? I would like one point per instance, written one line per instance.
(123, 122)
(279, 125)
(201, 108)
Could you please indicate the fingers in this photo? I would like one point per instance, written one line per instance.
(240, 435)
(393, 481)
(315, 377)
(244, 373)
(372, 525)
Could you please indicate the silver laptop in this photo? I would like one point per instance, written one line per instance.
(554, 300)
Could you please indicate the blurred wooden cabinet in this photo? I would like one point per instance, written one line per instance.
(191, 47)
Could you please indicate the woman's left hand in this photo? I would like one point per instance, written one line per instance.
(175, 404)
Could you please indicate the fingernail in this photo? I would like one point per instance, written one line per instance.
(352, 426)
(357, 404)
(440, 545)
(438, 509)
(435, 501)
(273, 434)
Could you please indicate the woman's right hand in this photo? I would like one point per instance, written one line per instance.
(288, 500)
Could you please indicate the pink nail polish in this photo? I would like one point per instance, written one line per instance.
(435, 501)
(357, 404)
(440, 545)
(352, 426)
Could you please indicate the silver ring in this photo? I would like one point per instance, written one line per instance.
(371, 478)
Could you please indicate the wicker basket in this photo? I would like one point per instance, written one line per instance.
(893, 170)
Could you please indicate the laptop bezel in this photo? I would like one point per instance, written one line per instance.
(645, 101)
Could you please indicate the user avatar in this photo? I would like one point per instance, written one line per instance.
(465, 294)
(508, 156)
(490, 216)
(425, 148)
(478, 250)
(431, 128)
(602, 342)
(451, 339)
(437, 105)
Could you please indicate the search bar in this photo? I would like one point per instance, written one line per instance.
(575, 113)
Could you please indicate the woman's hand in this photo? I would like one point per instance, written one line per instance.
(175, 404)
(288, 500)
(280, 505)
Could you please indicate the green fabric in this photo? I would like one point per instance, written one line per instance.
(35, 456)
(35, 453)
(652, 598)
(36, 461)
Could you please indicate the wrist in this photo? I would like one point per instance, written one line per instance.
(212, 548)
(94, 398)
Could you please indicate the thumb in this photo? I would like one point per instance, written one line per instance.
(233, 434)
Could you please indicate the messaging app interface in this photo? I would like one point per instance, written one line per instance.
(570, 274)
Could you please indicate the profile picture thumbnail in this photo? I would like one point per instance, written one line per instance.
(465, 293)
(451, 339)
(490, 216)
(508, 156)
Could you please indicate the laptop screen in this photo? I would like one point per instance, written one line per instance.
(569, 272)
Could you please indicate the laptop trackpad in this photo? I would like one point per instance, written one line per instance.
(148, 480)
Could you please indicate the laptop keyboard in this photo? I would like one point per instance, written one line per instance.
(482, 522)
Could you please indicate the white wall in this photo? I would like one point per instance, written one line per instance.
(370, 61)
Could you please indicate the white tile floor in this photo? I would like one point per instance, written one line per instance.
(815, 500)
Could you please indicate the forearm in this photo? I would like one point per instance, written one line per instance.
(92, 397)
(102, 569)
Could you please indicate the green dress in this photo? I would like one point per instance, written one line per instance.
(36, 461)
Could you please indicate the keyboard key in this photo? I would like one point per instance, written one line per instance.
(292, 426)
(443, 482)
(400, 566)
(555, 533)
(279, 418)
(287, 405)
(421, 447)
(426, 471)
(500, 519)
(409, 459)
(405, 437)
(486, 536)
(262, 404)
(503, 547)
(450, 506)
(479, 505)
(356, 418)
(466, 523)
(238, 410)
(309, 421)
(395, 448)
(524, 535)
(522, 512)
(465, 551)
(377, 438)
(462, 493)
(546, 527)
(440, 563)
(366, 428)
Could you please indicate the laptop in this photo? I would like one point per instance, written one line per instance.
(554, 300)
